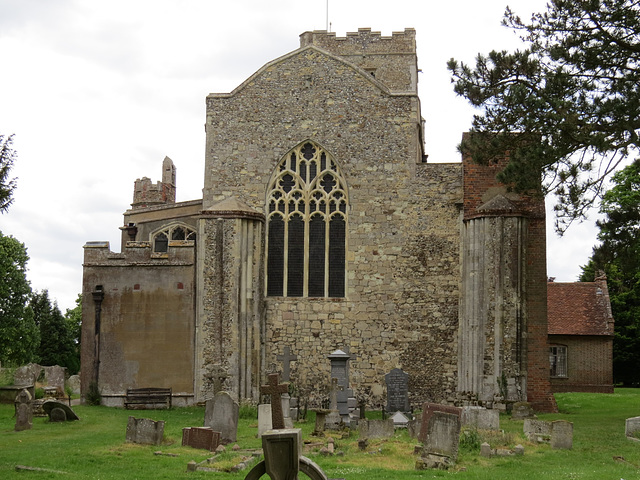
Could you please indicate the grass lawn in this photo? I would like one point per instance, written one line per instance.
(95, 448)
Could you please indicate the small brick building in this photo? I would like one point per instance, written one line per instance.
(322, 226)
(580, 336)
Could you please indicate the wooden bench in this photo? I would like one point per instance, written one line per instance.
(147, 398)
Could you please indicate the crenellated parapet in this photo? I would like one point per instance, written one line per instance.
(147, 194)
(179, 253)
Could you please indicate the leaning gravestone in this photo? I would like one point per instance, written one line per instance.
(24, 412)
(200, 437)
(428, 409)
(397, 391)
(221, 415)
(58, 411)
(145, 430)
(441, 445)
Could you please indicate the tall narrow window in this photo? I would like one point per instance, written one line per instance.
(558, 360)
(307, 225)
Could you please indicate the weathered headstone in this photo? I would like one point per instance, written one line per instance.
(54, 377)
(200, 437)
(485, 450)
(413, 427)
(264, 419)
(561, 435)
(58, 411)
(333, 419)
(441, 445)
(428, 409)
(145, 430)
(397, 391)
(27, 374)
(24, 412)
(376, 428)
(522, 410)
(340, 370)
(538, 431)
(481, 418)
(286, 358)
(632, 427)
(74, 384)
(321, 419)
(221, 415)
(275, 390)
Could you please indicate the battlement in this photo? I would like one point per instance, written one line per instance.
(147, 194)
(179, 252)
(364, 41)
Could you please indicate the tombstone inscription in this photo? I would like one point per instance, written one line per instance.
(397, 391)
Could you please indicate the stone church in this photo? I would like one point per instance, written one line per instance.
(323, 226)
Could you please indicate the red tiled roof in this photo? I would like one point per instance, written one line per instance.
(581, 308)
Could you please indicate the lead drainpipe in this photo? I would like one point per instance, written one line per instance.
(98, 296)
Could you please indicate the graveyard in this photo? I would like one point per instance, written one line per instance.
(96, 446)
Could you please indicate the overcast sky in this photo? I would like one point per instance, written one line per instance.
(98, 93)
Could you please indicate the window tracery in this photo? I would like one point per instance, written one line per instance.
(161, 238)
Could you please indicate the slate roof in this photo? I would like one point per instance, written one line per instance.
(581, 308)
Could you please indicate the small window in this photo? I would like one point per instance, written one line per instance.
(558, 360)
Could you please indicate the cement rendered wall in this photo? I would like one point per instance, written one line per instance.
(146, 331)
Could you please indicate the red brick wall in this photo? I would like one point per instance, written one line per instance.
(589, 364)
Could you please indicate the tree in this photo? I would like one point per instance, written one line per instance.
(618, 255)
(73, 318)
(56, 343)
(7, 185)
(19, 336)
(567, 105)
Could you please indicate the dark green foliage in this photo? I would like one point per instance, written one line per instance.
(57, 346)
(618, 256)
(19, 336)
(73, 318)
(567, 105)
(7, 185)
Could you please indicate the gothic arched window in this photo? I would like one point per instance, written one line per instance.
(173, 232)
(306, 225)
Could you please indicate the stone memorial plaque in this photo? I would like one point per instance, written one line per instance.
(397, 391)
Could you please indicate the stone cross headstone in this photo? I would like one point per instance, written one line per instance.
(144, 430)
(275, 390)
(286, 358)
(24, 412)
(221, 415)
(397, 391)
(200, 437)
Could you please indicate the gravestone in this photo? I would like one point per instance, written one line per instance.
(441, 444)
(58, 411)
(340, 370)
(321, 419)
(54, 377)
(27, 374)
(522, 410)
(538, 431)
(428, 409)
(632, 427)
(74, 384)
(264, 419)
(561, 435)
(397, 391)
(413, 427)
(24, 412)
(275, 390)
(283, 458)
(333, 418)
(286, 358)
(376, 428)
(481, 418)
(221, 415)
(200, 437)
(145, 431)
